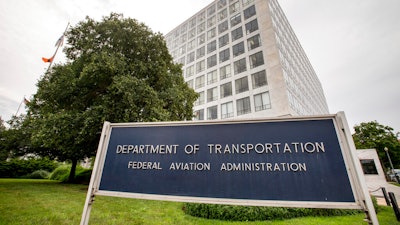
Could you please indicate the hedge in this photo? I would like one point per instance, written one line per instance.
(61, 173)
(255, 213)
(16, 168)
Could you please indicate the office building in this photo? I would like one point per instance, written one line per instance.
(245, 61)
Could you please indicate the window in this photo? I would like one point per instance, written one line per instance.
(192, 33)
(191, 45)
(256, 59)
(247, 2)
(211, 61)
(190, 57)
(211, 33)
(212, 77)
(201, 27)
(222, 15)
(190, 71)
(226, 110)
(182, 50)
(226, 90)
(237, 33)
(234, 7)
(212, 46)
(236, 19)
(183, 39)
(200, 81)
(259, 79)
(368, 166)
(223, 26)
(190, 83)
(221, 4)
(225, 72)
(212, 94)
(200, 66)
(241, 85)
(212, 113)
(211, 10)
(238, 49)
(200, 100)
(253, 42)
(192, 23)
(224, 55)
(243, 106)
(239, 66)
(201, 17)
(182, 60)
(249, 12)
(201, 39)
(200, 52)
(251, 26)
(183, 28)
(262, 101)
(224, 40)
(211, 21)
(199, 114)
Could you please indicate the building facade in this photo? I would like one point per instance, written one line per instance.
(244, 60)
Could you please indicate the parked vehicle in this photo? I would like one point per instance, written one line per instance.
(393, 174)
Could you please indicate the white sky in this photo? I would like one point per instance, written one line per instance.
(353, 45)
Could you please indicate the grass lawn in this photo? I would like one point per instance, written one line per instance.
(49, 202)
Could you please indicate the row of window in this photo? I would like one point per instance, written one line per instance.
(258, 79)
(236, 19)
(233, 8)
(211, 34)
(239, 66)
(243, 106)
(224, 55)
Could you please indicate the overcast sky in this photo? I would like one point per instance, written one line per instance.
(353, 45)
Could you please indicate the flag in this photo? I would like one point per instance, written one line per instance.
(60, 41)
(48, 60)
(26, 101)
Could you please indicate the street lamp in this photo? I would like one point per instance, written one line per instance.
(391, 164)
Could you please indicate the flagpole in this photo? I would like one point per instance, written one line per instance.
(19, 107)
(58, 46)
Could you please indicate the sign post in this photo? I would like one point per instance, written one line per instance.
(289, 162)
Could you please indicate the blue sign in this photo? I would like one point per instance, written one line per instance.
(264, 160)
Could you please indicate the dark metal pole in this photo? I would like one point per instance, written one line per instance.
(386, 196)
(394, 205)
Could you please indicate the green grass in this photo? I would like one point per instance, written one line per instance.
(49, 202)
(395, 183)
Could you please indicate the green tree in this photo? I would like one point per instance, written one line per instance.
(374, 135)
(117, 70)
(15, 139)
(3, 134)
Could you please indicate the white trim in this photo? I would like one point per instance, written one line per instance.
(227, 201)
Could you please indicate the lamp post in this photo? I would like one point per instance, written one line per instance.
(391, 164)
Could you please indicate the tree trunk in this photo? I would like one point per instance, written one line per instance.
(71, 178)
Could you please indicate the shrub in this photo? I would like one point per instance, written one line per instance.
(38, 174)
(16, 168)
(253, 213)
(61, 173)
(83, 176)
(375, 203)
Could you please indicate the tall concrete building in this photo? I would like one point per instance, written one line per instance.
(245, 61)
